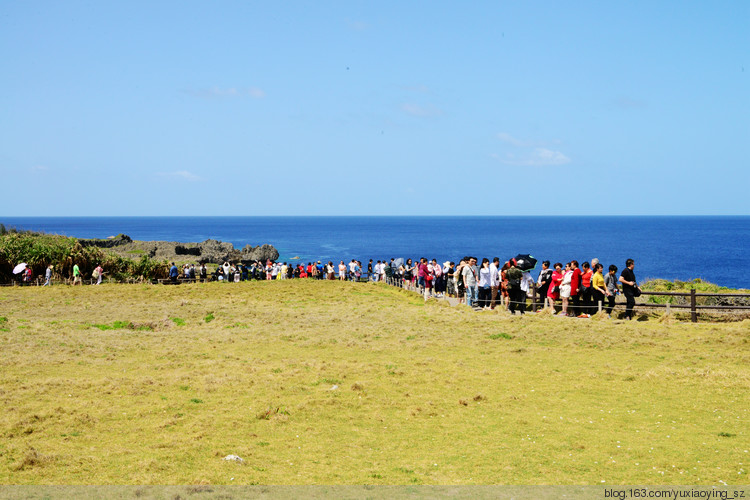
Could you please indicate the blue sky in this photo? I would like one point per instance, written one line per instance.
(374, 108)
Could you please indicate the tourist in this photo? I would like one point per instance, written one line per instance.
(470, 278)
(586, 292)
(48, 276)
(439, 283)
(458, 276)
(421, 271)
(484, 292)
(98, 274)
(494, 281)
(429, 278)
(630, 288)
(543, 282)
(575, 289)
(448, 275)
(408, 274)
(527, 289)
(553, 291)
(598, 288)
(504, 295)
(565, 288)
(330, 271)
(342, 271)
(517, 298)
(173, 274)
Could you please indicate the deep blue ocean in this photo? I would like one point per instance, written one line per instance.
(711, 248)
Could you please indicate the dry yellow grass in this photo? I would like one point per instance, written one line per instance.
(342, 383)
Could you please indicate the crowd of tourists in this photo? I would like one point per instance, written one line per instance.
(581, 290)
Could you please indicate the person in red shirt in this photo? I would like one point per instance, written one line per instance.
(586, 290)
(575, 288)
(553, 292)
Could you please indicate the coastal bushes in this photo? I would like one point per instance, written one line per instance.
(39, 250)
(700, 286)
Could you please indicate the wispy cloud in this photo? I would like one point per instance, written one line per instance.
(356, 25)
(232, 92)
(428, 111)
(38, 169)
(509, 139)
(530, 153)
(519, 143)
(182, 175)
(539, 157)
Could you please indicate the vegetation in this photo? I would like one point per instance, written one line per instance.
(699, 286)
(315, 382)
(40, 250)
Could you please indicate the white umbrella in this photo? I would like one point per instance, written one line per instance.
(19, 268)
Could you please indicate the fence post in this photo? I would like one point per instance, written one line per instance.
(693, 310)
(600, 305)
(533, 298)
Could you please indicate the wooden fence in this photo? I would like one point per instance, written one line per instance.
(692, 306)
(536, 301)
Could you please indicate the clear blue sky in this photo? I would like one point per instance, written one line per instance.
(374, 108)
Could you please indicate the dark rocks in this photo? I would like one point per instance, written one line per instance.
(183, 250)
(111, 242)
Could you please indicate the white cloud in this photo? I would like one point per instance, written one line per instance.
(428, 111)
(539, 157)
(39, 169)
(183, 175)
(232, 92)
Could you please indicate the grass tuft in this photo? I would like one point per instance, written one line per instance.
(502, 335)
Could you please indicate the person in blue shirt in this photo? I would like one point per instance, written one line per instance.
(173, 273)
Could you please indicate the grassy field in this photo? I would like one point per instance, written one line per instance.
(342, 383)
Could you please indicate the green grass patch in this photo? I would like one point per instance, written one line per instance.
(502, 335)
(178, 321)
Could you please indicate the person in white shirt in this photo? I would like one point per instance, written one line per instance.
(527, 285)
(495, 280)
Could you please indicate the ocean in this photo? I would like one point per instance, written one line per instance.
(674, 248)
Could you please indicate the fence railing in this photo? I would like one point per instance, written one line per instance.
(536, 303)
(693, 306)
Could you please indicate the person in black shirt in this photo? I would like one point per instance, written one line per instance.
(630, 287)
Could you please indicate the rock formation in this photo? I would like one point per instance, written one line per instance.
(209, 251)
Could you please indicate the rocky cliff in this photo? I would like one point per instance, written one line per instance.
(209, 251)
